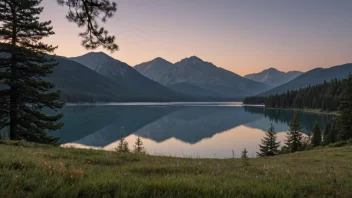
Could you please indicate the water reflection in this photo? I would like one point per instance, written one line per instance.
(178, 130)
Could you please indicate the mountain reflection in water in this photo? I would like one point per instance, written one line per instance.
(178, 130)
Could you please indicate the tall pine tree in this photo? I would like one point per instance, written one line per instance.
(24, 66)
(269, 146)
(294, 136)
(330, 133)
(345, 110)
(327, 132)
(316, 139)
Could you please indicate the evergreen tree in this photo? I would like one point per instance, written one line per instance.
(333, 134)
(294, 136)
(345, 110)
(326, 139)
(138, 146)
(244, 157)
(316, 139)
(330, 134)
(269, 146)
(23, 70)
(86, 13)
(122, 146)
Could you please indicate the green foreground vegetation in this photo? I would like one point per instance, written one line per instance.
(35, 170)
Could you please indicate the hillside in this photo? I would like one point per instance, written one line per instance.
(273, 76)
(128, 79)
(196, 75)
(78, 83)
(32, 170)
(313, 77)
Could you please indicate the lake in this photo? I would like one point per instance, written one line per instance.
(205, 130)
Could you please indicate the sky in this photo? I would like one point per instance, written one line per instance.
(241, 36)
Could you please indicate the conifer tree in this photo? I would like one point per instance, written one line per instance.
(24, 67)
(123, 146)
(316, 139)
(269, 146)
(294, 136)
(326, 137)
(138, 146)
(86, 13)
(330, 134)
(345, 110)
(244, 157)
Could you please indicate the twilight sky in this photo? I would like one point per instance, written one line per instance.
(240, 36)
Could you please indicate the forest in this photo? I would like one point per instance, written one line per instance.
(325, 96)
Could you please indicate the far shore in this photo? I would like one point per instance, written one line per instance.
(217, 103)
(317, 111)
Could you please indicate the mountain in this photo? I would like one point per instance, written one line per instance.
(78, 83)
(313, 77)
(192, 90)
(273, 76)
(200, 77)
(127, 79)
(156, 69)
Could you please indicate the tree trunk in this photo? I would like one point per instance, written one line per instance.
(13, 87)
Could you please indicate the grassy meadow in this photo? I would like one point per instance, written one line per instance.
(33, 170)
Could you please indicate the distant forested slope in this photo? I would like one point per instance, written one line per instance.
(324, 96)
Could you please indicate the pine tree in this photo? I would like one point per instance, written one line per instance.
(326, 138)
(138, 146)
(333, 134)
(23, 70)
(86, 13)
(330, 134)
(316, 139)
(244, 157)
(294, 136)
(345, 110)
(122, 146)
(269, 146)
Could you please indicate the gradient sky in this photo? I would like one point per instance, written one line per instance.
(240, 36)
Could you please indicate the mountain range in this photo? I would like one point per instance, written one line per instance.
(79, 83)
(97, 77)
(273, 76)
(313, 77)
(198, 78)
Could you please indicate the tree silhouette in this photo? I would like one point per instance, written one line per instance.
(269, 146)
(122, 146)
(316, 139)
(294, 136)
(138, 146)
(23, 68)
(345, 110)
(86, 13)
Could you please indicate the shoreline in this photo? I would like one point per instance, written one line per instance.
(316, 111)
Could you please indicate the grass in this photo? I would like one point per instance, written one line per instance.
(33, 170)
(316, 111)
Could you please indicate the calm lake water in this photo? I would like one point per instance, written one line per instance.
(178, 129)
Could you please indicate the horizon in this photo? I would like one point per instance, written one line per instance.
(242, 37)
(208, 61)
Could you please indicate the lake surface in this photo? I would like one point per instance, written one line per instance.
(213, 130)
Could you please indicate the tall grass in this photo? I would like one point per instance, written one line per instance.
(33, 170)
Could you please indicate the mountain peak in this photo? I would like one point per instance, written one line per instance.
(192, 60)
(159, 59)
(195, 58)
(273, 76)
(272, 69)
(96, 54)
